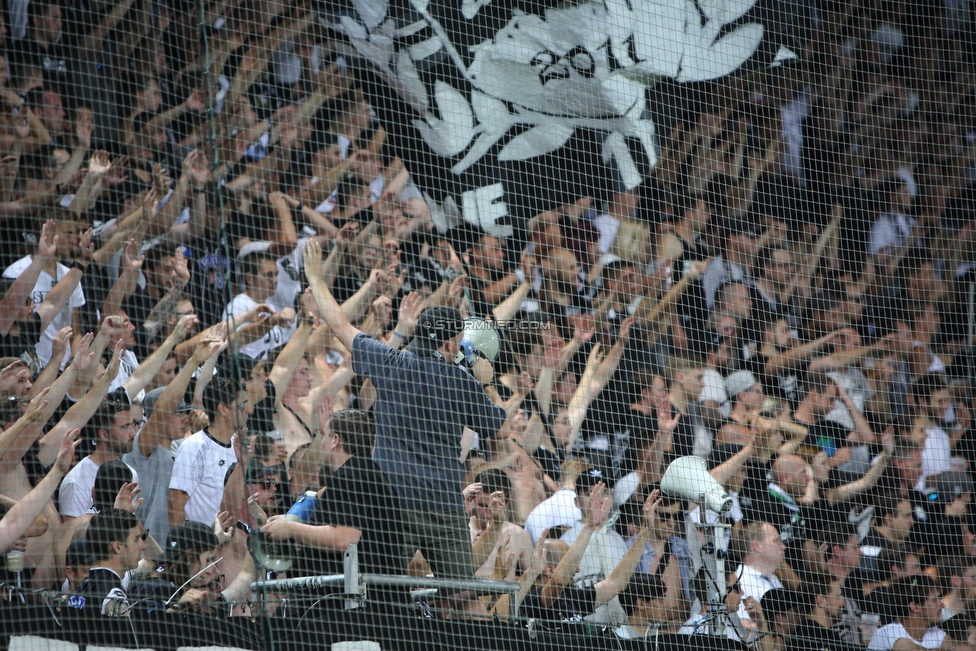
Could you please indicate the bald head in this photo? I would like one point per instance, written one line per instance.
(790, 472)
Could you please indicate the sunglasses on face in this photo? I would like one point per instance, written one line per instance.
(267, 484)
(666, 515)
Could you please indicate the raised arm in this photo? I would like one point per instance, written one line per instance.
(82, 411)
(598, 509)
(20, 290)
(146, 371)
(483, 546)
(614, 584)
(155, 429)
(331, 313)
(19, 518)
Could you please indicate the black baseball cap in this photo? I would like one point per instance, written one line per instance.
(256, 471)
(435, 326)
(186, 537)
(589, 479)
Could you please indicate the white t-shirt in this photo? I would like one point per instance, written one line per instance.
(713, 388)
(201, 466)
(556, 511)
(127, 366)
(755, 585)
(936, 455)
(42, 288)
(275, 338)
(75, 497)
(885, 637)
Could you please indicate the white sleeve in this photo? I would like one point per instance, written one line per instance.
(74, 500)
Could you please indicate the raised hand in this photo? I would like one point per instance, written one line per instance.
(113, 366)
(83, 131)
(471, 493)
(87, 246)
(181, 268)
(128, 498)
(346, 235)
(47, 245)
(650, 508)
(583, 330)
(599, 507)
(537, 563)
(625, 327)
(131, 260)
(666, 422)
(150, 205)
(35, 408)
(161, 180)
(312, 257)
(184, 327)
(496, 505)
(99, 163)
(83, 356)
(66, 453)
(195, 102)
(60, 344)
(224, 526)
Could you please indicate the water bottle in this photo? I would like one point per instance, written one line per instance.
(302, 509)
(15, 562)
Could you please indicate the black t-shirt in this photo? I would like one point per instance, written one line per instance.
(95, 284)
(103, 590)
(784, 385)
(54, 61)
(572, 606)
(811, 636)
(22, 344)
(138, 307)
(209, 288)
(359, 495)
(152, 594)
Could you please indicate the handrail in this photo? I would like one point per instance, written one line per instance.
(479, 586)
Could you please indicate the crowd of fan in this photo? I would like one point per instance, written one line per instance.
(785, 296)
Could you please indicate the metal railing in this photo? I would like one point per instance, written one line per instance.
(354, 584)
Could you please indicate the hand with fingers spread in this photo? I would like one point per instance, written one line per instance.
(82, 355)
(598, 509)
(224, 526)
(60, 344)
(36, 407)
(312, 257)
(47, 245)
(131, 260)
(66, 452)
(649, 511)
(128, 498)
(99, 163)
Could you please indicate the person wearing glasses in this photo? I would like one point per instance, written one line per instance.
(113, 429)
(117, 541)
(190, 576)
